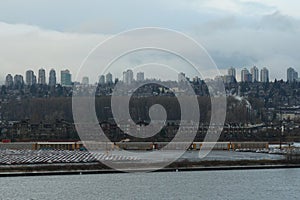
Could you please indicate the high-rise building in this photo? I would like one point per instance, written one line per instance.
(264, 75)
(254, 73)
(42, 77)
(245, 75)
(128, 77)
(102, 80)
(30, 77)
(140, 76)
(66, 78)
(124, 77)
(109, 78)
(292, 75)
(181, 77)
(52, 77)
(232, 72)
(85, 80)
(18, 81)
(9, 81)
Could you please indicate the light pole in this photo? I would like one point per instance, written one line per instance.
(282, 131)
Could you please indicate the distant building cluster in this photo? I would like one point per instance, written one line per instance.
(31, 79)
(128, 78)
(253, 75)
(248, 76)
(106, 79)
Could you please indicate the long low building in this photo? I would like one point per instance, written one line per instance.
(109, 146)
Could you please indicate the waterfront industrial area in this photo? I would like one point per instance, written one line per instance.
(71, 157)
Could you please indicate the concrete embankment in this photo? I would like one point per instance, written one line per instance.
(99, 168)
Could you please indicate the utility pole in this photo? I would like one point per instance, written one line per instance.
(282, 131)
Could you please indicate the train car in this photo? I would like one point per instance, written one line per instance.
(216, 146)
(95, 146)
(173, 145)
(250, 145)
(135, 145)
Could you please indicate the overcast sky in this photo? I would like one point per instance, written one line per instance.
(60, 33)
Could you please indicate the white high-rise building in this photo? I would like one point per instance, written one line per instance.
(128, 77)
(292, 75)
(140, 76)
(85, 80)
(30, 78)
(102, 80)
(124, 76)
(245, 75)
(255, 74)
(264, 75)
(232, 72)
(109, 78)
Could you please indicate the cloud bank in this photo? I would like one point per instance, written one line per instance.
(239, 33)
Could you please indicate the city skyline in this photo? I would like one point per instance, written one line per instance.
(272, 29)
(224, 72)
(255, 74)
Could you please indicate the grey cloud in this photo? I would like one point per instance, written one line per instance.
(278, 22)
(270, 40)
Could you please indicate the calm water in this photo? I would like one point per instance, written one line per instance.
(248, 184)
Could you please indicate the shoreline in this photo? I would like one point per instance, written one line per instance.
(99, 168)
